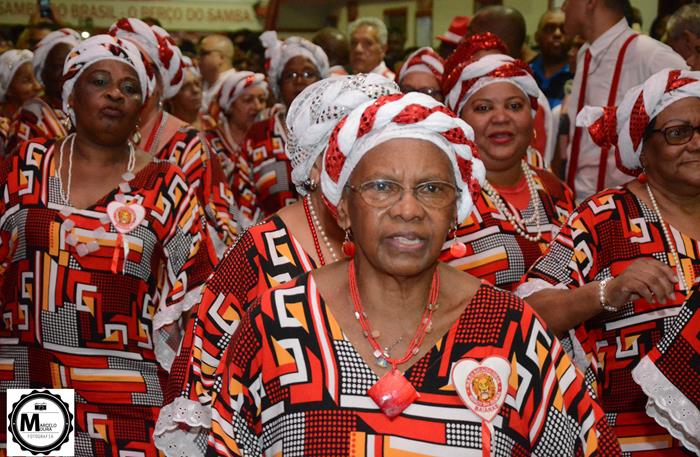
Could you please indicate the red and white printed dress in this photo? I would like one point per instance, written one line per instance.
(603, 236)
(37, 119)
(495, 250)
(292, 384)
(106, 323)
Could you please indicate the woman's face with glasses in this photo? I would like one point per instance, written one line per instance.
(400, 203)
(420, 81)
(297, 73)
(671, 153)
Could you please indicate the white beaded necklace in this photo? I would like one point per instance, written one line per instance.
(671, 245)
(68, 225)
(518, 222)
(318, 225)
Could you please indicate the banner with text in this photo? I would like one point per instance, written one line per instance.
(174, 15)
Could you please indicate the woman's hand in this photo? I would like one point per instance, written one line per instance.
(646, 277)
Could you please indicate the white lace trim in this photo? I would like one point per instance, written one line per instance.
(528, 288)
(178, 426)
(164, 352)
(668, 406)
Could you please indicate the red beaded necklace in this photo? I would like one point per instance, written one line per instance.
(312, 227)
(393, 393)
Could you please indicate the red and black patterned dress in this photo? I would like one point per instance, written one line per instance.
(37, 119)
(190, 152)
(670, 375)
(228, 153)
(106, 323)
(266, 255)
(264, 165)
(294, 385)
(495, 251)
(604, 235)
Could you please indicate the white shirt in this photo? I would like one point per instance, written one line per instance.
(208, 93)
(383, 70)
(644, 57)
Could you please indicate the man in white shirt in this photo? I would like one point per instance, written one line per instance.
(215, 58)
(613, 60)
(683, 33)
(368, 44)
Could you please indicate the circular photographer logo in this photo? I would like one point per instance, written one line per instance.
(40, 422)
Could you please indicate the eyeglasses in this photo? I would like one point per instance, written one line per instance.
(383, 193)
(435, 93)
(677, 135)
(295, 75)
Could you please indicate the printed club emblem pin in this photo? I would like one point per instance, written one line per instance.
(40, 422)
(125, 217)
(482, 386)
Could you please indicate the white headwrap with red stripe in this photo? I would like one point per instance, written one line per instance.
(160, 48)
(95, 49)
(60, 36)
(316, 111)
(232, 86)
(278, 53)
(423, 60)
(414, 115)
(10, 61)
(623, 126)
(493, 68)
(189, 67)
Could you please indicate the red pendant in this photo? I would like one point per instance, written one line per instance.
(393, 393)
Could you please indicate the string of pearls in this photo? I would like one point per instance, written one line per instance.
(671, 245)
(319, 226)
(513, 217)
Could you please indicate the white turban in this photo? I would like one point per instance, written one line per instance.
(278, 53)
(316, 111)
(413, 115)
(60, 36)
(93, 50)
(487, 70)
(623, 126)
(423, 60)
(160, 48)
(10, 61)
(232, 86)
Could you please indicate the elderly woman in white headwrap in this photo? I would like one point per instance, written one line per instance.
(17, 85)
(292, 65)
(187, 102)
(390, 350)
(422, 72)
(103, 256)
(242, 97)
(168, 138)
(42, 117)
(521, 207)
(298, 238)
(626, 259)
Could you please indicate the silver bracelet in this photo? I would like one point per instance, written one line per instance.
(601, 296)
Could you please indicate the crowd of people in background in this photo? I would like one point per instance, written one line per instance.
(256, 245)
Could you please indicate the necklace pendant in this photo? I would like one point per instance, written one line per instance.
(381, 361)
(393, 393)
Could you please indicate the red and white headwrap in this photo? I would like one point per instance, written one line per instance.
(423, 60)
(189, 67)
(10, 61)
(413, 115)
(232, 86)
(463, 55)
(491, 69)
(623, 126)
(160, 48)
(60, 36)
(278, 53)
(96, 49)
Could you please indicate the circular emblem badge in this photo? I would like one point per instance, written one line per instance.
(40, 422)
(484, 388)
(125, 216)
